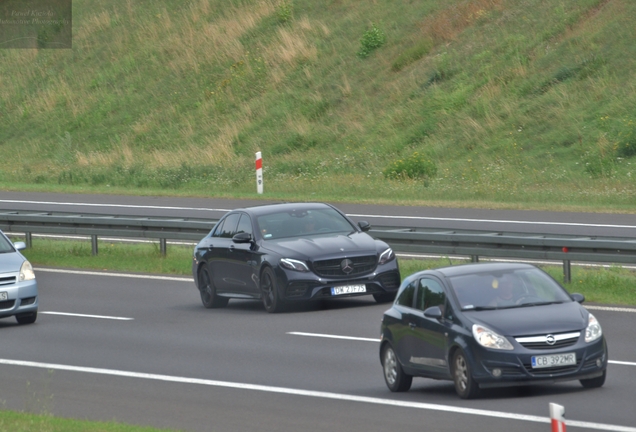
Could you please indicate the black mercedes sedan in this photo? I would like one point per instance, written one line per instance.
(284, 253)
(490, 325)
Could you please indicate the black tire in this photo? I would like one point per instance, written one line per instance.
(26, 318)
(465, 386)
(594, 382)
(394, 376)
(384, 297)
(269, 292)
(209, 298)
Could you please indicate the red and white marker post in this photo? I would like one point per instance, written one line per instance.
(259, 173)
(556, 415)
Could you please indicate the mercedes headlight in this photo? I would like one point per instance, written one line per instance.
(295, 265)
(593, 330)
(386, 256)
(26, 272)
(489, 339)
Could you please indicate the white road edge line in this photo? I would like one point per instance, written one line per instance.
(328, 336)
(86, 316)
(333, 336)
(124, 275)
(351, 214)
(315, 394)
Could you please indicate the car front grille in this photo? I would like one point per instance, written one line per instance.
(7, 304)
(541, 342)
(333, 267)
(7, 280)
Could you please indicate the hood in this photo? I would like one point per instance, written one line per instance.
(322, 247)
(10, 262)
(534, 320)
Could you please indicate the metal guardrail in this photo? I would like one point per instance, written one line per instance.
(416, 240)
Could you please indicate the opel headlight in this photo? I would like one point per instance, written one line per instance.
(292, 264)
(26, 272)
(593, 330)
(489, 339)
(386, 256)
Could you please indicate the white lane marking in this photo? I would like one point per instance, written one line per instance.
(113, 205)
(333, 336)
(351, 214)
(329, 336)
(86, 316)
(315, 394)
(611, 308)
(123, 275)
(493, 221)
(622, 363)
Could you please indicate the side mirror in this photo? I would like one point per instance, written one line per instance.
(433, 312)
(579, 298)
(19, 245)
(364, 226)
(242, 238)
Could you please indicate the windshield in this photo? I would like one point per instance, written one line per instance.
(5, 245)
(303, 223)
(507, 289)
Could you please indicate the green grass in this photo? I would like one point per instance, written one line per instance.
(518, 104)
(611, 285)
(13, 421)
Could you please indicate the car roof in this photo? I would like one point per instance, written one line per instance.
(283, 207)
(472, 268)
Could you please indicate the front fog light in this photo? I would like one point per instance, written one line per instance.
(496, 372)
(599, 362)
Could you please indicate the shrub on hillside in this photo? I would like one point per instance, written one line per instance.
(416, 166)
(371, 40)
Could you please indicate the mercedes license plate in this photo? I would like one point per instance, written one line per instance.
(4, 296)
(553, 360)
(348, 289)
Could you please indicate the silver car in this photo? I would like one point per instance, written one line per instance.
(18, 287)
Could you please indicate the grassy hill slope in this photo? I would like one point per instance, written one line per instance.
(471, 102)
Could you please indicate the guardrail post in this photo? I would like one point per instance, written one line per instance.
(474, 258)
(94, 244)
(567, 275)
(28, 239)
(163, 246)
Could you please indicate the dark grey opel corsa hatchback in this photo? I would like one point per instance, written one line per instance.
(490, 325)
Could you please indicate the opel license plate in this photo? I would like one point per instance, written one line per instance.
(348, 289)
(553, 360)
(4, 296)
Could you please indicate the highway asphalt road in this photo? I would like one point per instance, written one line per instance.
(143, 350)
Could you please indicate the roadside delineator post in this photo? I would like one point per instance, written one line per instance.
(556, 415)
(259, 173)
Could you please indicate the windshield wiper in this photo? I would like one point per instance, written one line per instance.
(540, 303)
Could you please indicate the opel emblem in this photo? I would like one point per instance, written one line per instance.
(347, 266)
(550, 339)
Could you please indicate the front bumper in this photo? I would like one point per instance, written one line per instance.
(513, 368)
(22, 298)
(308, 286)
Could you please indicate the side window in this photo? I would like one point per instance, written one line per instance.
(218, 229)
(406, 296)
(244, 225)
(229, 226)
(430, 293)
